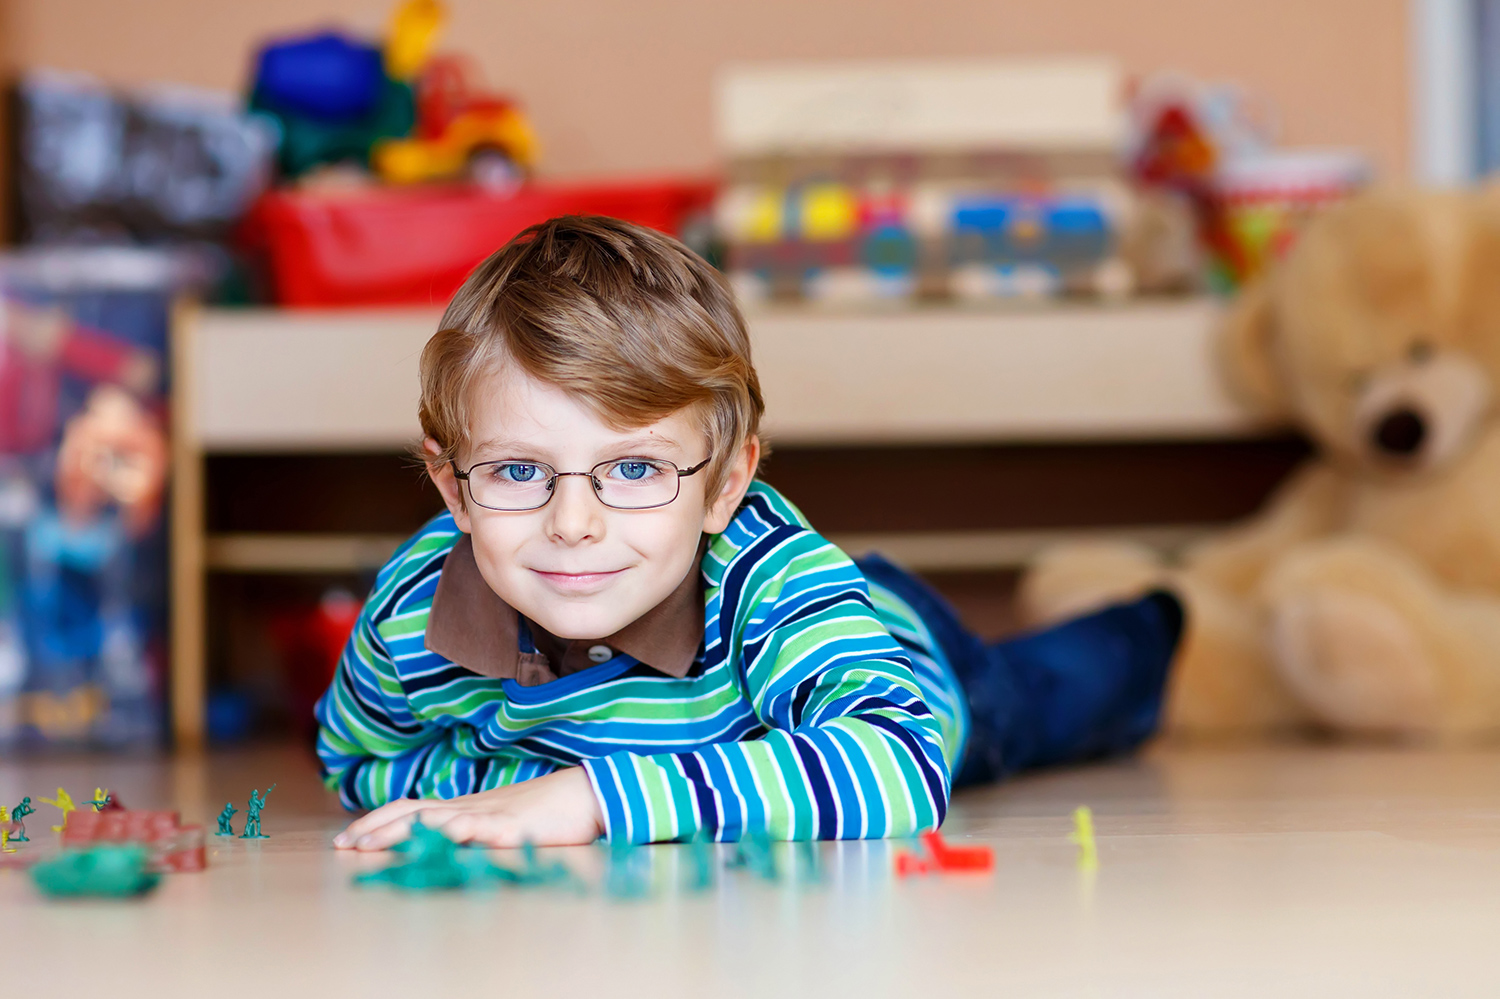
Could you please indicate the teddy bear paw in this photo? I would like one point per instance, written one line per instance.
(1075, 579)
(1356, 663)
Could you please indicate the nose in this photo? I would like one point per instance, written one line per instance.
(575, 513)
(1400, 433)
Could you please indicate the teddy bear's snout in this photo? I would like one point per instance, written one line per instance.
(1400, 433)
(1421, 414)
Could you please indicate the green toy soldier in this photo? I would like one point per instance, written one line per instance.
(252, 814)
(18, 816)
(225, 829)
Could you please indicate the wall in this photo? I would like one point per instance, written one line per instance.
(624, 85)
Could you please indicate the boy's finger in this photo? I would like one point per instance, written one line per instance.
(457, 826)
(388, 835)
(379, 817)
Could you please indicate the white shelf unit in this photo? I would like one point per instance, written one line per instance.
(278, 381)
(315, 380)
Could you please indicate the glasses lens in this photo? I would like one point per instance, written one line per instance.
(636, 483)
(510, 485)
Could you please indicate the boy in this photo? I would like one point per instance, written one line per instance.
(615, 630)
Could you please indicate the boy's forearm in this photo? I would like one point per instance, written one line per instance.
(853, 778)
(430, 770)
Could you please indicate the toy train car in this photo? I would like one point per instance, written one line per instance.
(831, 241)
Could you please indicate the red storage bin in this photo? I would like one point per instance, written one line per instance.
(414, 246)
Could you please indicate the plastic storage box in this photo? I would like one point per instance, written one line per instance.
(414, 246)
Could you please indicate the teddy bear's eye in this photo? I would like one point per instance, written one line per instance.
(1419, 352)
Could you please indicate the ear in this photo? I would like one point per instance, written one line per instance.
(1246, 350)
(441, 474)
(741, 472)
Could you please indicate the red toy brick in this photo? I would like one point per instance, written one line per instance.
(174, 847)
(908, 864)
(957, 858)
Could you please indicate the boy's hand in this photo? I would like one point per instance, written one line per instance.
(556, 810)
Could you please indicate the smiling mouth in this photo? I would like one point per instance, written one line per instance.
(577, 581)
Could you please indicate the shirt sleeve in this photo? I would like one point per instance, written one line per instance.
(850, 751)
(373, 750)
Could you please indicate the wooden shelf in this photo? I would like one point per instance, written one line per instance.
(270, 380)
(254, 552)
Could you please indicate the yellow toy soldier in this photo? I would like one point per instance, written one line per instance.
(63, 801)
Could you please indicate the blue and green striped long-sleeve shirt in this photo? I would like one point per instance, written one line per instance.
(820, 707)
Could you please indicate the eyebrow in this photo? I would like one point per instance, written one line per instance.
(501, 445)
(507, 447)
(646, 440)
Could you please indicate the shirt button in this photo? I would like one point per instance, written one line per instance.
(601, 653)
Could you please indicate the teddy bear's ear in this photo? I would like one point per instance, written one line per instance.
(1246, 345)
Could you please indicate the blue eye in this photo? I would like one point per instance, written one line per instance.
(633, 470)
(636, 471)
(518, 473)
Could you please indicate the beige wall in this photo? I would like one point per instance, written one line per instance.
(624, 85)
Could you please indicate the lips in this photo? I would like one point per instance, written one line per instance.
(577, 582)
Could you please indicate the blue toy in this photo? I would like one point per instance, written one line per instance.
(329, 77)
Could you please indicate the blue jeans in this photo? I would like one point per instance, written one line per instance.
(1080, 690)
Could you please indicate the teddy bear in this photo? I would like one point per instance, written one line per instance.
(1364, 598)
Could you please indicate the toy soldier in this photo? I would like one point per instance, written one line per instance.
(18, 816)
(63, 801)
(252, 814)
(225, 829)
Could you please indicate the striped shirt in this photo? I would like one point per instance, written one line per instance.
(818, 707)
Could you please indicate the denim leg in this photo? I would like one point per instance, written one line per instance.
(1083, 689)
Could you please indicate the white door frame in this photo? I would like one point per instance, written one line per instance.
(1445, 91)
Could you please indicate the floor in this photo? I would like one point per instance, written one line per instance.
(1287, 871)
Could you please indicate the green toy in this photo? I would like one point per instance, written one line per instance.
(307, 142)
(533, 872)
(755, 855)
(252, 814)
(628, 875)
(809, 863)
(700, 862)
(434, 863)
(225, 828)
(107, 871)
(18, 816)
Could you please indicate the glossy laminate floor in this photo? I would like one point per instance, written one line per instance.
(1274, 871)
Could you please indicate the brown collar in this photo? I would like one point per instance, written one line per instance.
(470, 625)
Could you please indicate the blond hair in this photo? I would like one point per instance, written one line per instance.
(623, 318)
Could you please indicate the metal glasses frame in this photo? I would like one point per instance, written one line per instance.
(463, 476)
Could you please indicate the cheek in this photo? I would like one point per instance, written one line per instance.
(660, 534)
(497, 540)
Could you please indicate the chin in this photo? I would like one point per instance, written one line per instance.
(579, 620)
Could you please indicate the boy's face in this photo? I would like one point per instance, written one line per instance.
(576, 567)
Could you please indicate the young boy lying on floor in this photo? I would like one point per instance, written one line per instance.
(617, 630)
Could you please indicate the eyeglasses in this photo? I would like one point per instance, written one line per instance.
(621, 483)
